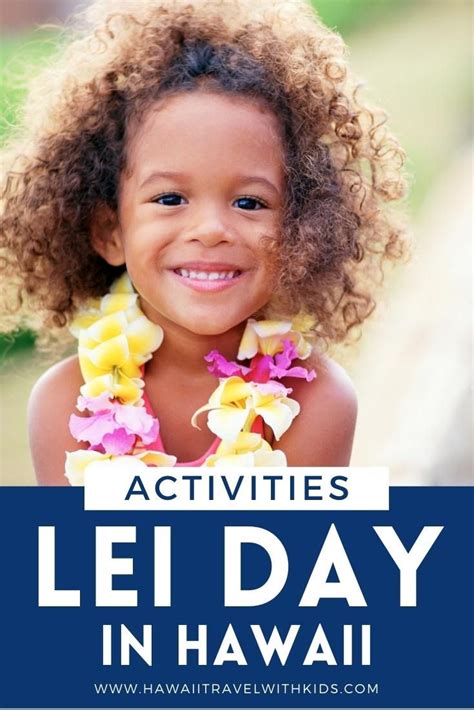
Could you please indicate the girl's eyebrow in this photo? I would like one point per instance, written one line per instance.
(156, 174)
(161, 174)
(260, 180)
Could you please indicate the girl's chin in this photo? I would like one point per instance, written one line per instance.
(203, 322)
(197, 325)
(213, 328)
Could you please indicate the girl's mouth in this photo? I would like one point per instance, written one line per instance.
(207, 280)
(207, 275)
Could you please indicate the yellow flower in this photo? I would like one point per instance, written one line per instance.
(78, 462)
(267, 336)
(249, 449)
(235, 404)
(127, 390)
(122, 284)
(115, 340)
(121, 297)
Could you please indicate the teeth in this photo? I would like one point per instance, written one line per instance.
(207, 275)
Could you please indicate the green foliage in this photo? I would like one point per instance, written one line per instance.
(18, 55)
(15, 342)
(345, 16)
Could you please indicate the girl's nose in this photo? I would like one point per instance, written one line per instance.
(210, 227)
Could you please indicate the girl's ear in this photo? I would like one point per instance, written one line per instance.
(106, 235)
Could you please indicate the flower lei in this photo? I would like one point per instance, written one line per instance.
(116, 339)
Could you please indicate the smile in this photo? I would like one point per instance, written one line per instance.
(208, 275)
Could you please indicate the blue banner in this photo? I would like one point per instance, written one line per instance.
(376, 653)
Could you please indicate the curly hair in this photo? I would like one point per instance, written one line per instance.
(342, 165)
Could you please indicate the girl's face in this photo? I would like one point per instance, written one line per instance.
(204, 185)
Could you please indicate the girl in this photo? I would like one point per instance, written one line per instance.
(215, 151)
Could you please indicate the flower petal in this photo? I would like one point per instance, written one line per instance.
(89, 371)
(122, 285)
(129, 390)
(93, 428)
(224, 368)
(249, 343)
(232, 389)
(278, 415)
(113, 302)
(262, 456)
(136, 420)
(300, 372)
(143, 336)
(260, 368)
(264, 337)
(108, 327)
(97, 386)
(268, 336)
(303, 348)
(111, 353)
(94, 404)
(77, 462)
(227, 422)
(130, 369)
(157, 458)
(83, 320)
(271, 328)
(116, 464)
(118, 442)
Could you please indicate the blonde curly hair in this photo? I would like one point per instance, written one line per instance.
(342, 165)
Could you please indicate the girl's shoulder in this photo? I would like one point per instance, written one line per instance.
(333, 380)
(51, 403)
(323, 432)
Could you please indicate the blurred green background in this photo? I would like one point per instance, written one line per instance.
(412, 367)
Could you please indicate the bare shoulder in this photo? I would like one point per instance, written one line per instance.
(323, 432)
(52, 401)
(334, 386)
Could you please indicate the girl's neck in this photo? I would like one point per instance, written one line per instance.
(184, 351)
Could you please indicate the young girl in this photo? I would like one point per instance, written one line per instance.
(197, 193)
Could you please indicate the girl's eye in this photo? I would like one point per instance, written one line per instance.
(249, 203)
(170, 199)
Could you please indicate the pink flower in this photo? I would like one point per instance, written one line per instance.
(282, 361)
(118, 443)
(220, 367)
(94, 404)
(112, 427)
(262, 367)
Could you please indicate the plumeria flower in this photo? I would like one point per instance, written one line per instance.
(267, 337)
(78, 462)
(235, 404)
(113, 344)
(249, 449)
(122, 296)
(128, 390)
(112, 427)
(115, 340)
